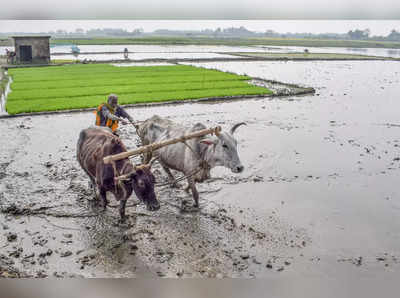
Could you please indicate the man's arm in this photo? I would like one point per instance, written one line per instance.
(107, 114)
(122, 113)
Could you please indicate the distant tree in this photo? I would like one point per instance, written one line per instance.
(271, 33)
(138, 31)
(217, 31)
(207, 32)
(79, 31)
(359, 34)
(394, 35)
(108, 32)
(61, 32)
(241, 31)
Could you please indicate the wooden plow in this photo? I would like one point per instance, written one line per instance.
(152, 147)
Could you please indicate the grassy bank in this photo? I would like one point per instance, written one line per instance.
(84, 86)
(233, 42)
(223, 41)
(308, 56)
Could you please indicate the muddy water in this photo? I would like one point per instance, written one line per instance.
(318, 195)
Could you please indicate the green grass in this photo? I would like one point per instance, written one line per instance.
(61, 61)
(267, 41)
(76, 86)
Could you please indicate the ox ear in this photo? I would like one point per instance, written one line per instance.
(233, 129)
(208, 142)
(132, 174)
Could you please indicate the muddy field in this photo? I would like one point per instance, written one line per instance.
(318, 195)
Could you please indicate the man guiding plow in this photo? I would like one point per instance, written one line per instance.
(109, 114)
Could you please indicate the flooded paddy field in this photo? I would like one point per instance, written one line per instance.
(318, 195)
(394, 53)
(140, 56)
(142, 52)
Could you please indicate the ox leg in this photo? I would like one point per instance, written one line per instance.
(103, 198)
(195, 193)
(92, 182)
(92, 186)
(122, 205)
(170, 176)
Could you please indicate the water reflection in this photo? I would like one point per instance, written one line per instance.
(356, 49)
(141, 56)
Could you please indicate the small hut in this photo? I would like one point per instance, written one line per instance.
(32, 49)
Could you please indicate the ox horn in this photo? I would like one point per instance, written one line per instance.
(141, 167)
(146, 165)
(125, 177)
(233, 129)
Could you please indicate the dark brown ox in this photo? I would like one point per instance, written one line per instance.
(96, 143)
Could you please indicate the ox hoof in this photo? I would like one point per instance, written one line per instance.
(103, 204)
(185, 207)
(153, 207)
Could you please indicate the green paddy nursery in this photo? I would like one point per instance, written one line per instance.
(38, 89)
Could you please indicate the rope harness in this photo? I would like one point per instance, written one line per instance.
(118, 182)
(203, 164)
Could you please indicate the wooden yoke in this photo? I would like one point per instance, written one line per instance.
(155, 146)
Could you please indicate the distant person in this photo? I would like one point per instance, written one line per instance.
(110, 114)
(10, 56)
(126, 53)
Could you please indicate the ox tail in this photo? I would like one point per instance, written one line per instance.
(79, 148)
(82, 137)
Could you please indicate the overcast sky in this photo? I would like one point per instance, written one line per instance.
(256, 15)
(200, 9)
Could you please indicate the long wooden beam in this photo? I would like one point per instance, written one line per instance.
(155, 146)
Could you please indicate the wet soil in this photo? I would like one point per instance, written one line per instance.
(318, 195)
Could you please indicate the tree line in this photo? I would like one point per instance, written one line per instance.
(232, 32)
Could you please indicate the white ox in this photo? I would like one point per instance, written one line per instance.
(197, 156)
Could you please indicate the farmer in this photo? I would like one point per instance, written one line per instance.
(110, 114)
